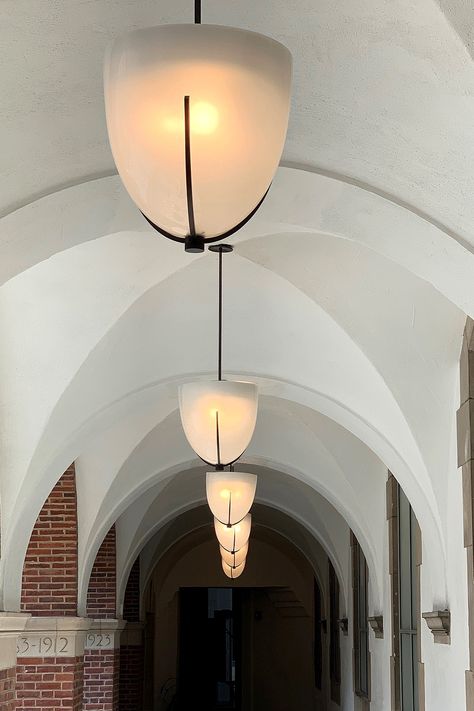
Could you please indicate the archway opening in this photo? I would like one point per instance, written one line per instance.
(261, 641)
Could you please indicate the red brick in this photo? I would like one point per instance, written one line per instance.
(50, 568)
(49, 684)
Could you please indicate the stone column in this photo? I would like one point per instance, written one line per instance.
(50, 664)
(102, 656)
(465, 418)
(131, 667)
(101, 665)
(12, 625)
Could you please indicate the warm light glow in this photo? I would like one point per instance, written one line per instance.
(238, 84)
(230, 495)
(218, 418)
(233, 573)
(204, 118)
(234, 559)
(233, 538)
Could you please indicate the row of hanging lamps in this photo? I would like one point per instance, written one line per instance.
(197, 117)
(219, 419)
(233, 545)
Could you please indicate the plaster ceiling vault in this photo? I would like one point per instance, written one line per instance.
(345, 299)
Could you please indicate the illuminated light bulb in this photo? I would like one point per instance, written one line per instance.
(233, 573)
(204, 118)
(233, 538)
(234, 559)
(218, 418)
(230, 495)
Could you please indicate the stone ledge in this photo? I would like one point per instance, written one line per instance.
(376, 623)
(344, 625)
(12, 624)
(48, 637)
(104, 634)
(439, 623)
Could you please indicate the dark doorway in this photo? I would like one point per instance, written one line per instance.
(209, 669)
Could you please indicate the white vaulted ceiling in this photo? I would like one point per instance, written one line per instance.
(345, 299)
(383, 92)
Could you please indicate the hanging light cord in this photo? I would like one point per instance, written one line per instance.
(197, 12)
(220, 249)
(219, 356)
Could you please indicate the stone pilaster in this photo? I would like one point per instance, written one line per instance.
(102, 665)
(132, 667)
(11, 626)
(50, 663)
(465, 423)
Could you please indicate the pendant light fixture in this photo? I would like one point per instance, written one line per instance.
(230, 495)
(197, 118)
(236, 558)
(233, 538)
(231, 572)
(219, 416)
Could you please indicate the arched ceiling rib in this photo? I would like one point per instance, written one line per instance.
(383, 96)
(116, 342)
(382, 93)
(268, 524)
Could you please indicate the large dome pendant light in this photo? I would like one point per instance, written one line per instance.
(219, 416)
(197, 118)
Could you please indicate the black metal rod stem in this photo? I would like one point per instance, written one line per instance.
(219, 356)
(197, 12)
(188, 170)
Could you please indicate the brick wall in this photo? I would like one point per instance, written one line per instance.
(101, 666)
(131, 656)
(102, 584)
(101, 680)
(7, 689)
(131, 603)
(131, 678)
(50, 570)
(53, 684)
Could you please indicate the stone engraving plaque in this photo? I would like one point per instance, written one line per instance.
(45, 645)
(102, 640)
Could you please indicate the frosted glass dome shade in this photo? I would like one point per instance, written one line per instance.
(230, 495)
(218, 418)
(237, 85)
(233, 573)
(233, 538)
(235, 559)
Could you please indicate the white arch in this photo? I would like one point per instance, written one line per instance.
(404, 462)
(300, 201)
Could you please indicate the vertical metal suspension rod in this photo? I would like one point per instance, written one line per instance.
(188, 169)
(220, 249)
(219, 356)
(197, 12)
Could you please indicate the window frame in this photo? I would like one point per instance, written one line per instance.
(407, 684)
(360, 580)
(334, 636)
